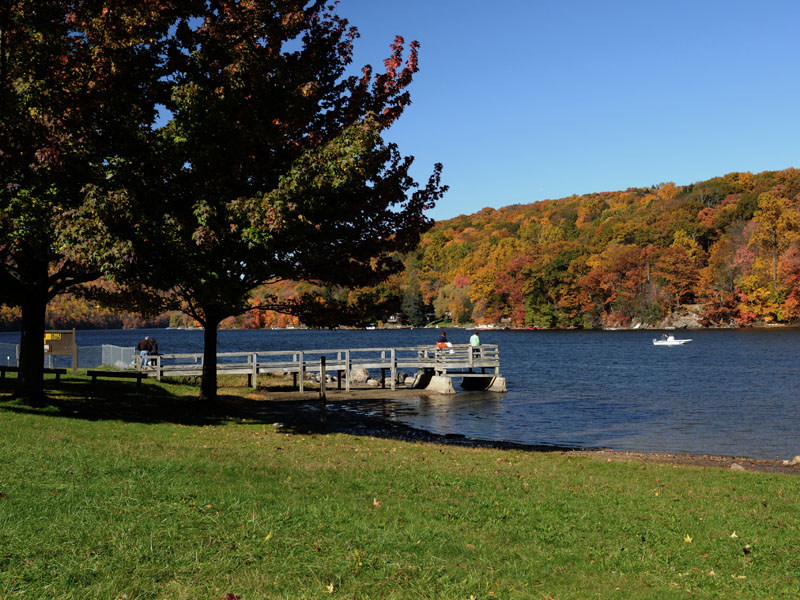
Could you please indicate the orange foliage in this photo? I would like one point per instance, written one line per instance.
(638, 254)
(607, 258)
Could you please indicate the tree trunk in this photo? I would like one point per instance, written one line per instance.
(30, 384)
(208, 384)
(774, 267)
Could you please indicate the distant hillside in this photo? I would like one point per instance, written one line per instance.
(722, 252)
(616, 259)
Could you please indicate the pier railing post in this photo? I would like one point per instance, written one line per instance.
(301, 372)
(254, 358)
(393, 371)
(322, 381)
(347, 368)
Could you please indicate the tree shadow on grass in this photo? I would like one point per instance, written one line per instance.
(151, 402)
(176, 403)
(77, 397)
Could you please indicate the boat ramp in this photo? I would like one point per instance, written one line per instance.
(432, 369)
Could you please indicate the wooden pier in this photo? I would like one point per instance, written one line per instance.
(431, 368)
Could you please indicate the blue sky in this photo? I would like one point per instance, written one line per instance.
(525, 100)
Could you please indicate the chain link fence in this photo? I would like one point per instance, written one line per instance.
(116, 356)
(88, 357)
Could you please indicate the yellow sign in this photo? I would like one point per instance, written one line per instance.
(51, 336)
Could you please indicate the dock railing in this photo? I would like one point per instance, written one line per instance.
(459, 360)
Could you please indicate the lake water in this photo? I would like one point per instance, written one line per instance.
(728, 392)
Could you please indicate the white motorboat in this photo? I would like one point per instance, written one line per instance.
(670, 341)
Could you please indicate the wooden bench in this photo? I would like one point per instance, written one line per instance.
(137, 375)
(57, 371)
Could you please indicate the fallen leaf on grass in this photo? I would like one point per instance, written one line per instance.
(687, 538)
(733, 535)
(376, 502)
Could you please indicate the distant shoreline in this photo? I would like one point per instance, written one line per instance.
(453, 326)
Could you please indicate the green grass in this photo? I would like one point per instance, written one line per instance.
(174, 502)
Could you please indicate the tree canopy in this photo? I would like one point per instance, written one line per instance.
(272, 166)
(79, 85)
(191, 151)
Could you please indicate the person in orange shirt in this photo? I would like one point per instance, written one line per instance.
(442, 341)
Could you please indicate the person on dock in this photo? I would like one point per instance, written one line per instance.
(152, 351)
(442, 341)
(143, 347)
(475, 343)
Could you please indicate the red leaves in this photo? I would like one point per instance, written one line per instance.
(47, 156)
(396, 59)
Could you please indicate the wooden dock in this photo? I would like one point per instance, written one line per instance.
(432, 369)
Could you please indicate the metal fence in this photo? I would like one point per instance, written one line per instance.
(88, 357)
(116, 356)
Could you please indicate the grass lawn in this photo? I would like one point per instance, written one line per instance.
(111, 494)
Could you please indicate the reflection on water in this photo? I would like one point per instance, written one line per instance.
(728, 392)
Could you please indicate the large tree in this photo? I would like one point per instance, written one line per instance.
(274, 166)
(79, 85)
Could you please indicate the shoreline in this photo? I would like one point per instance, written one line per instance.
(303, 415)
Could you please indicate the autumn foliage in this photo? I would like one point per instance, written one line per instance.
(728, 246)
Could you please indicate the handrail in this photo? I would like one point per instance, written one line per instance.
(455, 359)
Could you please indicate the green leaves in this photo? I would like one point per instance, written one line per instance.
(271, 166)
(276, 163)
(79, 84)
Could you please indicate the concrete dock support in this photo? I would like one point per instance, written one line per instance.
(498, 385)
(441, 385)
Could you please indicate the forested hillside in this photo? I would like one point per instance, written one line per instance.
(728, 245)
(619, 258)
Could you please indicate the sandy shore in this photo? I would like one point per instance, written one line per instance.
(302, 412)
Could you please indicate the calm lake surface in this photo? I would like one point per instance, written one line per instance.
(728, 392)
